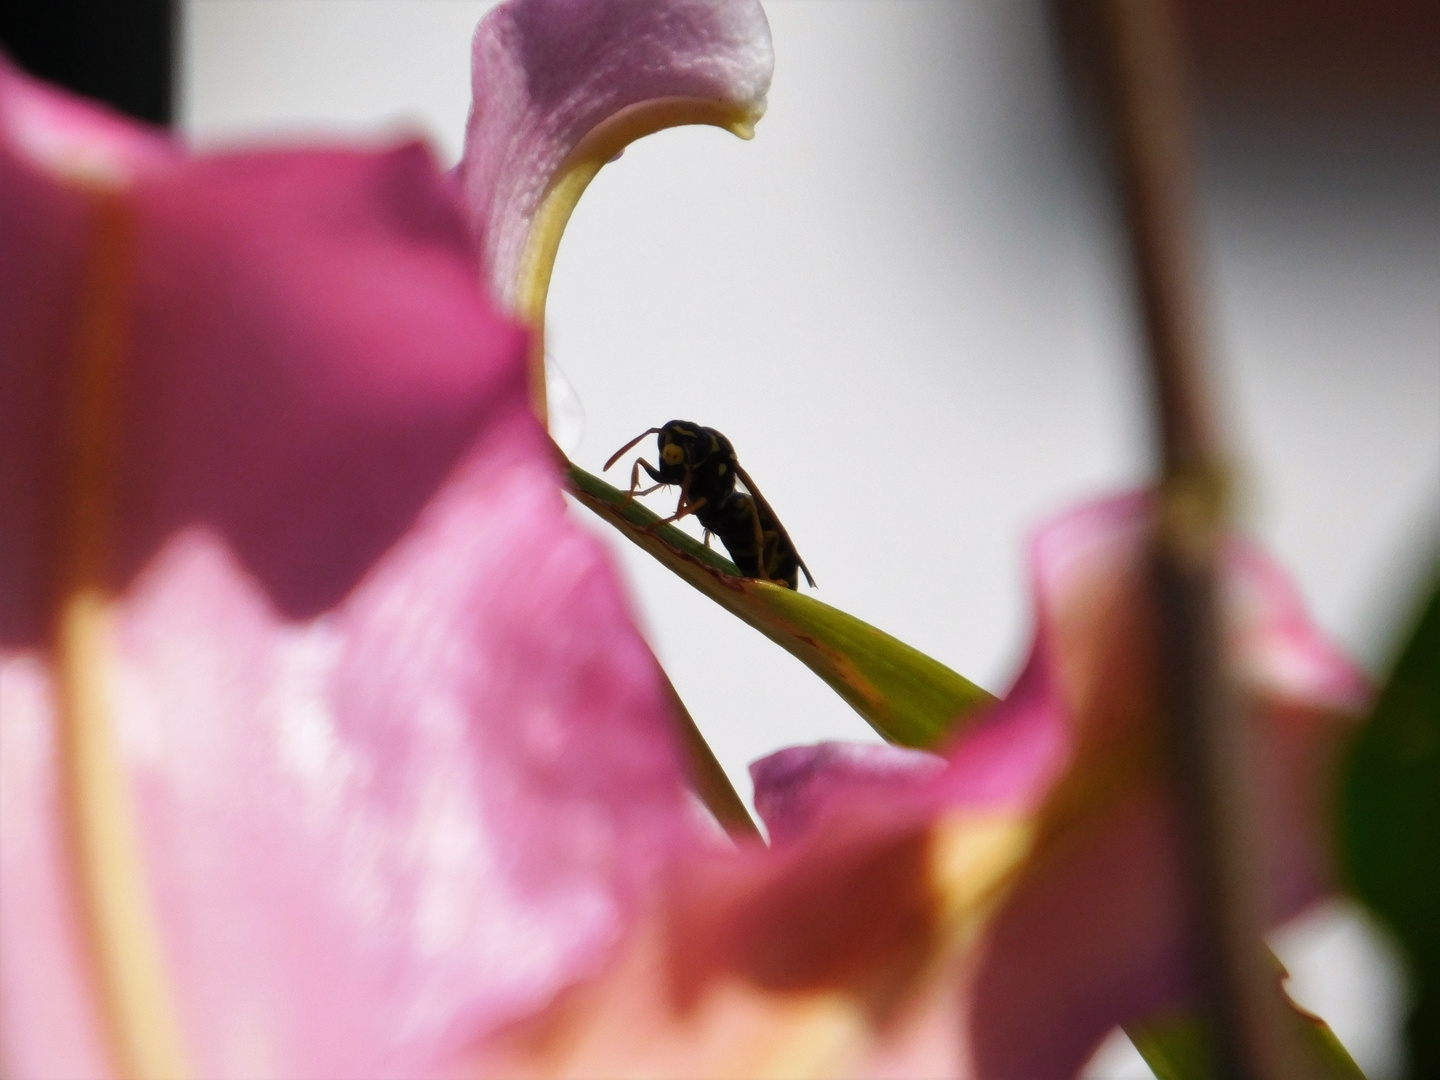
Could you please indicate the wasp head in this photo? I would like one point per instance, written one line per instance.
(698, 454)
(681, 446)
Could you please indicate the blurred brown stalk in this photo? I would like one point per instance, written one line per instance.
(1145, 89)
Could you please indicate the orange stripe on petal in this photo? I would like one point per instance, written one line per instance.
(130, 974)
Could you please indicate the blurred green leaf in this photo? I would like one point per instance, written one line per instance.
(1390, 822)
(906, 696)
(1175, 1048)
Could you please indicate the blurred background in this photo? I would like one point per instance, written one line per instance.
(906, 302)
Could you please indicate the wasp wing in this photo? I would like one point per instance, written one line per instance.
(770, 510)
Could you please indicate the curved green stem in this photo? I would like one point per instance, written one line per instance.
(905, 695)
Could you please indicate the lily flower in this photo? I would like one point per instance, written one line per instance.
(327, 741)
(987, 914)
(328, 746)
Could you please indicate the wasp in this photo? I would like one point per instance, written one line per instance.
(702, 463)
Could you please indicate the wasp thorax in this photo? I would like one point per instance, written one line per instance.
(702, 462)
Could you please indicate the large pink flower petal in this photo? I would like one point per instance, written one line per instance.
(549, 73)
(399, 759)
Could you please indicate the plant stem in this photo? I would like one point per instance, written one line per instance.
(708, 779)
(1241, 1000)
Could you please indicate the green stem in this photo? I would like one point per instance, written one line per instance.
(905, 695)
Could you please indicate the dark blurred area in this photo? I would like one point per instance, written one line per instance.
(1314, 56)
(1316, 149)
(1317, 54)
(119, 51)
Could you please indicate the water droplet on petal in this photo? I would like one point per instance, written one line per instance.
(567, 415)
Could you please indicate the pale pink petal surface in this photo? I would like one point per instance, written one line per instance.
(796, 787)
(548, 73)
(77, 138)
(399, 758)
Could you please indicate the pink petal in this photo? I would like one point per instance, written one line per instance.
(400, 759)
(796, 787)
(49, 1026)
(74, 138)
(1092, 935)
(1283, 654)
(823, 958)
(549, 72)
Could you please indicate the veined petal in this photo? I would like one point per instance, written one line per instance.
(796, 786)
(562, 86)
(398, 762)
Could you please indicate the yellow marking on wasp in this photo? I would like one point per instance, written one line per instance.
(672, 454)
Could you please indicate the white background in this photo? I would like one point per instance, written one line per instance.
(905, 304)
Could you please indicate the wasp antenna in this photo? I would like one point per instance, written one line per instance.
(621, 452)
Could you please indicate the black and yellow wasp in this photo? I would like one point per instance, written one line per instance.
(702, 463)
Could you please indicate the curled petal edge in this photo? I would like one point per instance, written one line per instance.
(561, 87)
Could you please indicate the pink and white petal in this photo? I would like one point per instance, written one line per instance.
(547, 73)
(1095, 920)
(835, 956)
(399, 826)
(795, 787)
(76, 139)
(48, 1022)
(400, 760)
(49, 1027)
(440, 768)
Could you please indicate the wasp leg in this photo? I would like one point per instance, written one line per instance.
(708, 534)
(684, 511)
(681, 503)
(632, 494)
